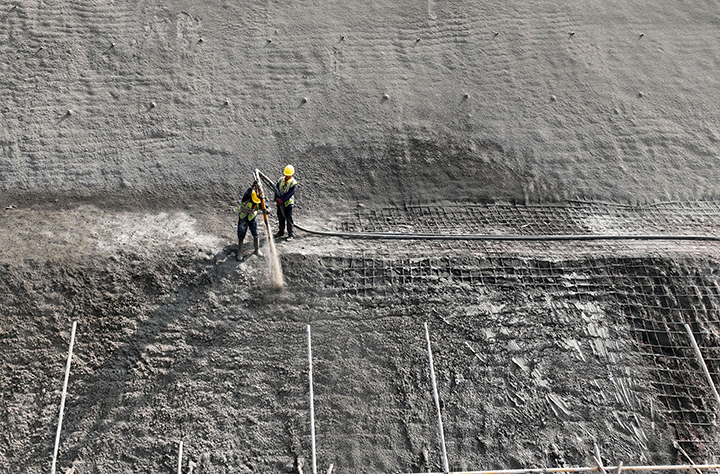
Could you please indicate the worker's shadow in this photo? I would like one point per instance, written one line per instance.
(228, 253)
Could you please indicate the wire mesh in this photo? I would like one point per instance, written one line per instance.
(577, 218)
(656, 286)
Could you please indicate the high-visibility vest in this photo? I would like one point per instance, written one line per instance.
(285, 186)
(249, 209)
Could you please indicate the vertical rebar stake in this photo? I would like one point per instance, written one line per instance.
(62, 399)
(312, 404)
(446, 467)
(180, 458)
(702, 364)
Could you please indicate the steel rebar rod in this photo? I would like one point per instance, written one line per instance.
(312, 403)
(180, 449)
(497, 237)
(62, 399)
(702, 363)
(446, 466)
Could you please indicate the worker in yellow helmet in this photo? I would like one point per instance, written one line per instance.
(248, 209)
(286, 201)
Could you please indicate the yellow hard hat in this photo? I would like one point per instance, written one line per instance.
(289, 170)
(255, 198)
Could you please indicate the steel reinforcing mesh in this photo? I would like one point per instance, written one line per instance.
(657, 286)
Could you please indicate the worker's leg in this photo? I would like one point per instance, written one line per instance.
(256, 237)
(289, 220)
(281, 221)
(241, 231)
(253, 228)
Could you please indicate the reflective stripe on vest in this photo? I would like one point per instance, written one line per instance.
(249, 209)
(285, 186)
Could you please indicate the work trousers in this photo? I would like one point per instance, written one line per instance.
(243, 224)
(285, 218)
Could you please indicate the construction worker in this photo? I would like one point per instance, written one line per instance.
(248, 209)
(286, 201)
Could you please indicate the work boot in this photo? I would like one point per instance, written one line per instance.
(279, 234)
(256, 241)
(240, 251)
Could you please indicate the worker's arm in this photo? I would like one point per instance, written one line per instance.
(290, 193)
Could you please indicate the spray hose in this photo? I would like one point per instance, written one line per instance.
(514, 238)
(489, 237)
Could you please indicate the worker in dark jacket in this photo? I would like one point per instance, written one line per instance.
(248, 210)
(286, 201)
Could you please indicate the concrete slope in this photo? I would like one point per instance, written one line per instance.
(389, 99)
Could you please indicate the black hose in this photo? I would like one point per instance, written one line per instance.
(488, 237)
(491, 237)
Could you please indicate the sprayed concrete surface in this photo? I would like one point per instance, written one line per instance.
(131, 129)
(541, 350)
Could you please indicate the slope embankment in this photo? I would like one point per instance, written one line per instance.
(521, 100)
(130, 129)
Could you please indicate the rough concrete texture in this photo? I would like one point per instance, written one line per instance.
(131, 129)
(596, 99)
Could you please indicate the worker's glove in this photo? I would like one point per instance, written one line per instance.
(279, 201)
(267, 212)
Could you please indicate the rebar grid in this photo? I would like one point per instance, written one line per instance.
(655, 286)
(655, 295)
(575, 218)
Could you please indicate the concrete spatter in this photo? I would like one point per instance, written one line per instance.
(88, 231)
